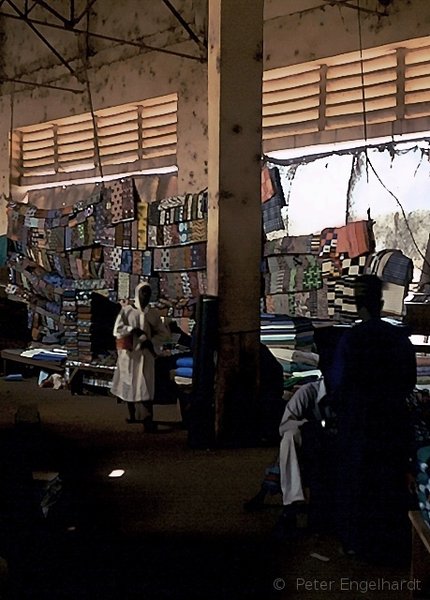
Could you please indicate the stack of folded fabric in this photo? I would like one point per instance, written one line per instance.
(283, 331)
(42, 354)
(418, 403)
(423, 482)
(184, 367)
(423, 370)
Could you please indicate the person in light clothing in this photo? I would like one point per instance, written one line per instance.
(139, 333)
(304, 406)
(309, 408)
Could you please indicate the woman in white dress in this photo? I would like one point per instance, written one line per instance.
(139, 333)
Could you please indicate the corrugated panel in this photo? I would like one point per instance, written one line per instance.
(124, 134)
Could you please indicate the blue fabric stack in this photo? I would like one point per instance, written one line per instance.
(184, 367)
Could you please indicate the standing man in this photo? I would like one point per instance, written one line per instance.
(139, 334)
(374, 371)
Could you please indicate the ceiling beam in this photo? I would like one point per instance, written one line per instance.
(52, 10)
(185, 25)
(36, 84)
(357, 6)
(100, 36)
(30, 23)
(86, 10)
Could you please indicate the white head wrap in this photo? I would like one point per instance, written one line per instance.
(136, 294)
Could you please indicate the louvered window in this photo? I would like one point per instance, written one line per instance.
(134, 136)
(327, 101)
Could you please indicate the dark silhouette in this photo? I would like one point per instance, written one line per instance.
(373, 372)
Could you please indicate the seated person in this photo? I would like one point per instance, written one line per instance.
(272, 404)
(309, 404)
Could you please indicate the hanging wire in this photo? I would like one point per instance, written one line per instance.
(11, 144)
(363, 87)
(399, 204)
(90, 97)
(365, 131)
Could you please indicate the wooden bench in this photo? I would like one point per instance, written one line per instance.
(420, 561)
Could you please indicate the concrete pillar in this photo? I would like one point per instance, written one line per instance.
(5, 122)
(235, 72)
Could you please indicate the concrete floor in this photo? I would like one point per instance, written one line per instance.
(172, 527)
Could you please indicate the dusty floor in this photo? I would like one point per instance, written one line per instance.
(172, 527)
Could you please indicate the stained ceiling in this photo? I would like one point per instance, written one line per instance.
(67, 36)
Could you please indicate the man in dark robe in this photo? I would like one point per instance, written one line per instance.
(374, 371)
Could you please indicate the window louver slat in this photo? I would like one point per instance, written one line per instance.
(417, 70)
(270, 133)
(413, 111)
(355, 81)
(162, 141)
(39, 145)
(118, 158)
(75, 165)
(354, 120)
(76, 127)
(118, 148)
(38, 172)
(37, 162)
(164, 109)
(39, 134)
(294, 117)
(357, 107)
(75, 139)
(417, 55)
(159, 100)
(111, 140)
(369, 66)
(153, 132)
(418, 97)
(117, 119)
(158, 121)
(417, 84)
(289, 107)
(42, 153)
(356, 93)
(160, 151)
(119, 129)
(76, 156)
(290, 94)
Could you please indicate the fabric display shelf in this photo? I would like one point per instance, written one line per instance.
(290, 339)
(95, 252)
(314, 275)
(177, 235)
(62, 256)
(419, 409)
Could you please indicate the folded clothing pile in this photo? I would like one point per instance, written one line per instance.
(184, 367)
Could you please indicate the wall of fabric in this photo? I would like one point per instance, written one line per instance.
(94, 252)
(314, 275)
